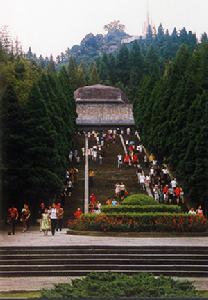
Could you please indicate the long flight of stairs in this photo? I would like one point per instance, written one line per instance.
(80, 260)
(107, 175)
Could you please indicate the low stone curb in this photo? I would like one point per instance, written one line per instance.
(138, 234)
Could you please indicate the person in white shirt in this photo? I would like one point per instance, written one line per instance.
(154, 162)
(152, 171)
(117, 189)
(69, 187)
(122, 190)
(165, 171)
(173, 183)
(147, 181)
(100, 159)
(94, 155)
(142, 180)
(98, 207)
(70, 156)
(156, 192)
(140, 148)
(119, 157)
(83, 151)
(192, 212)
(53, 216)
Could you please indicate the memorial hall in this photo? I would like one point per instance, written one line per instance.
(104, 106)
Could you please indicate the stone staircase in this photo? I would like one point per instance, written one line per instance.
(80, 260)
(107, 175)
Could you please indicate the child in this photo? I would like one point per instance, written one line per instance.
(45, 222)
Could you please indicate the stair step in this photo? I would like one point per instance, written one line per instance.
(15, 257)
(115, 267)
(101, 251)
(177, 273)
(107, 261)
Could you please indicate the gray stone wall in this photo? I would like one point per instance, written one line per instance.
(105, 114)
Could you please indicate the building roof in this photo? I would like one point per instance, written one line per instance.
(99, 93)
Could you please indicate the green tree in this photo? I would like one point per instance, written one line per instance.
(93, 75)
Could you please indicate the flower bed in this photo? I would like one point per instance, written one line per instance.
(140, 222)
(141, 208)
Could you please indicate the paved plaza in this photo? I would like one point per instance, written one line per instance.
(36, 238)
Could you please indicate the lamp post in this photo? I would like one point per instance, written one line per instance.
(86, 196)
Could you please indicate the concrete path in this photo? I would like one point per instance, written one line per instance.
(38, 283)
(35, 238)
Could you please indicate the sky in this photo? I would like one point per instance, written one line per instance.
(50, 26)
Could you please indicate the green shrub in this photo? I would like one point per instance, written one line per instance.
(109, 285)
(141, 208)
(140, 222)
(139, 199)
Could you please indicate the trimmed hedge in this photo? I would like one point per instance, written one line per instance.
(139, 199)
(109, 285)
(141, 208)
(138, 222)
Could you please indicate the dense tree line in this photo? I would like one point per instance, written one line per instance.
(171, 112)
(38, 121)
(126, 67)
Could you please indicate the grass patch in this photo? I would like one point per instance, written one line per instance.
(21, 294)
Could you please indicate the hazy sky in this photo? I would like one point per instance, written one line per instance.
(50, 26)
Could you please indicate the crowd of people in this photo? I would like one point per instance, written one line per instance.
(50, 218)
(153, 178)
(198, 211)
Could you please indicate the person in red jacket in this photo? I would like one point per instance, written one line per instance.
(78, 213)
(93, 198)
(177, 193)
(135, 159)
(12, 217)
(165, 193)
(126, 159)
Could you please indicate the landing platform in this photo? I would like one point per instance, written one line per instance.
(35, 238)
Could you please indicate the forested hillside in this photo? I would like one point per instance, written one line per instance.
(38, 122)
(171, 112)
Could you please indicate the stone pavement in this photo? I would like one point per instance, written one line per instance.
(38, 283)
(35, 238)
